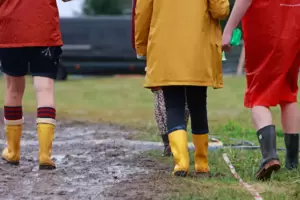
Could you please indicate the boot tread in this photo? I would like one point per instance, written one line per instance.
(11, 162)
(266, 170)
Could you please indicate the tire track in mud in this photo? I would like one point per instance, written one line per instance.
(94, 161)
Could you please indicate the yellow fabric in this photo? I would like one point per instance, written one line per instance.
(182, 41)
(13, 136)
(218, 9)
(46, 136)
(201, 148)
(179, 147)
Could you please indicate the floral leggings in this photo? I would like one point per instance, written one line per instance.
(160, 112)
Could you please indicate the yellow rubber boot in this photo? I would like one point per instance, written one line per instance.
(201, 148)
(11, 154)
(46, 136)
(179, 148)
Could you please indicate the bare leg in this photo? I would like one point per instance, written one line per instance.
(15, 87)
(44, 88)
(290, 118)
(241, 64)
(261, 117)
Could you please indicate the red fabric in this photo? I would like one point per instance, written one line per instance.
(13, 113)
(46, 112)
(133, 24)
(29, 23)
(272, 53)
(290, 37)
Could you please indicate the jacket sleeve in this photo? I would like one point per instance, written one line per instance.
(142, 13)
(219, 9)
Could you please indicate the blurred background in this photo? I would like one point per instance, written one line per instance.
(97, 38)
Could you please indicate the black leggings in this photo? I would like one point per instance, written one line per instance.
(175, 99)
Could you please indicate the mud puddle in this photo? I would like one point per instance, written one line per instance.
(94, 161)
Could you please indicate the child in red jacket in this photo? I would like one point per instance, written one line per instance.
(29, 34)
(272, 49)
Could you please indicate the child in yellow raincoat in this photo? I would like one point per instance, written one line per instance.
(182, 41)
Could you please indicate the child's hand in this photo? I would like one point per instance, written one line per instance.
(226, 38)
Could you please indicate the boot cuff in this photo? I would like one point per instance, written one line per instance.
(265, 130)
(14, 122)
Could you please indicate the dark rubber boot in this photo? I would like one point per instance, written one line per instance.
(167, 150)
(292, 151)
(270, 162)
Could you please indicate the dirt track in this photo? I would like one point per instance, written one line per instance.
(94, 161)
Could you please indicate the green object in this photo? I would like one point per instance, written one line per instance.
(236, 37)
(223, 56)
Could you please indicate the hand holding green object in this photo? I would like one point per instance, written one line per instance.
(236, 37)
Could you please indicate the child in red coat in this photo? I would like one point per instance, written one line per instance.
(272, 49)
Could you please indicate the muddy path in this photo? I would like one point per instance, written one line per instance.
(94, 161)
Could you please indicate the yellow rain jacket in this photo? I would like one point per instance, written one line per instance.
(181, 40)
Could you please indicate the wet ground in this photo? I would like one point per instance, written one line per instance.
(94, 161)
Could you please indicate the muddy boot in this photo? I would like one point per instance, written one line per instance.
(167, 150)
(11, 154)
(270, 162)
(179, 148)
(46, 136)
(292, 151)
(200, 142)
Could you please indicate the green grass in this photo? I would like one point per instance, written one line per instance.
(285, 185)
(125, 102)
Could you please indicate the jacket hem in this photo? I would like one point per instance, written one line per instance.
(155, 85)
(38, 44)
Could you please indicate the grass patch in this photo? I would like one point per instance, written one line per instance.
(285, 185)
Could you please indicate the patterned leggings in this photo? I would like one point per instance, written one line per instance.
(160, 112)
